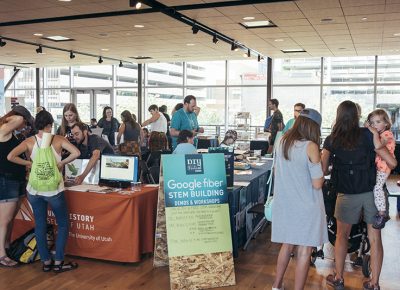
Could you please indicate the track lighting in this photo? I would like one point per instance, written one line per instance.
(39, 49)
(2, 42)
(100, 59)
(234, 47)
(136, 4)
(260, 58)
(195, 29)
(71, 55)
(120, 64)
(215, 39)
(15, 69)
(248, 52)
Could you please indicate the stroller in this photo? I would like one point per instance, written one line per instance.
(358, 242)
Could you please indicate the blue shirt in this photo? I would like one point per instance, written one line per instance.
(183, 120)
(185, 148)
(267, 122)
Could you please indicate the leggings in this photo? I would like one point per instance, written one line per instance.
(379, 193)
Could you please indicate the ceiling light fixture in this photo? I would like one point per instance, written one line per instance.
(248, 18)
(234, 47)
(327, 20)
(120, 64)
(38, 34)
(195, 29)
(138, 26)
(248, 52)
(136, 4)
(364, 18)
(190, 44)
(105, 49)
(396, 34)
(100, 59)
(71, 55)
(279, 40)
(260, 58)
(257, 24)
(15, 68)
(215, 39)
(39, 49)
(2, 42)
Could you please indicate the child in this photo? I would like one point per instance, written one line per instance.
(379, 120)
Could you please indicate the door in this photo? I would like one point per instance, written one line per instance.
(90, 103)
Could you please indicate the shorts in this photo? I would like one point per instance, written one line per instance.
(10, 189)
(349, 208)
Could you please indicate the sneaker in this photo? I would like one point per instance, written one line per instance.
(337, 284)
(368, 286)
(278, 288)
(380, 221)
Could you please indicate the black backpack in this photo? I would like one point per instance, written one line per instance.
(353, 171)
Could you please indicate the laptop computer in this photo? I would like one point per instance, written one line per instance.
(97, 131)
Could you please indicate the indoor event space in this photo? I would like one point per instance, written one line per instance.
(200, 144)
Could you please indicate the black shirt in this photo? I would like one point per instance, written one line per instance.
(10, 169)
(94, 143)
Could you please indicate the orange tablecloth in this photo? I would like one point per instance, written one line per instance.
(104, 226)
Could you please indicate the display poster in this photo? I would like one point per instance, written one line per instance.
(197, 221)
(229, 162)
(76, 168)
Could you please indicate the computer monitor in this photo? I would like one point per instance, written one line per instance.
(118, 171)
(97, 131)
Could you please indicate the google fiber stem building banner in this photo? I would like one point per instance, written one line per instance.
(197, 221)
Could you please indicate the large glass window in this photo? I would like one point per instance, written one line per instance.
(349, 69)
(54, 101)
(162, 96)
(92, 76)
(388, 98)
(26, 79)
(247, 72)
(388, 69)
(205, 73)
(334, 95)
(125, 99)
(127, 76)
(56, 77)
(297, 71)
(289, 96)
(165, 74)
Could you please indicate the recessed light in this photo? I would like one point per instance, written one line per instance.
(396, 34)
(279, 40)
(103, 34)
(248, 18)
(342, 48)
(58, 38)
(293, 50)
(245, 55)
(327, 20)
(190, 44)
(64, 0)
(138, 26)
(364, 18)
(105, 49)
(38, 34)
(258, 24)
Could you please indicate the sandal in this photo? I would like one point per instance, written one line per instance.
(47, 267)
(59, 268)
(6, 262)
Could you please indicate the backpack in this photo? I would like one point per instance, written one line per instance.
(24, 249)
(353, 171)
(44, 175)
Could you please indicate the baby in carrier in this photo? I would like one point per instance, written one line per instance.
(379, 120)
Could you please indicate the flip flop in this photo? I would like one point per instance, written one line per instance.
(6, 262)
(64, 267)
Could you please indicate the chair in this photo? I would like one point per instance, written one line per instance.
(154, 172)
(258, 210)
(259, 145)
(145, 175)
(154, 158)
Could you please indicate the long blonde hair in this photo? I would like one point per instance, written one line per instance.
(68, 107)
(303, 129)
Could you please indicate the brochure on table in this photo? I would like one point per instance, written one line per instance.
(76, 167)
(197, 221)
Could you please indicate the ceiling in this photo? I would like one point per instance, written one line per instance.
(357, 27)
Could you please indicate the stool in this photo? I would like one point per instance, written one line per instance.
(257, 209)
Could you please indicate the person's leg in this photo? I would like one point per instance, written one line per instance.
(282, 263)
(39, 207)
(302, 266)
(7, 210)
(341, 245)
(379, 194)
(10, 225)
(375, 240)
(59, 207)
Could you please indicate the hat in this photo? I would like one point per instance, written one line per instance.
(22, 111)
(312, 114)
(231, 134)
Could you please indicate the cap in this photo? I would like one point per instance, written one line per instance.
(231, 134)
(312, 114)
(22, 111)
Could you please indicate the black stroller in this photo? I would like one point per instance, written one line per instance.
(358, 240)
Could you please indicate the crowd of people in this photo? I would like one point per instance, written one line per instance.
(358, 159)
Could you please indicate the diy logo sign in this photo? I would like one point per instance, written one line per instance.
(194, 164)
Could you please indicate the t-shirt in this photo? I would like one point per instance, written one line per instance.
(185, 148)
(109, 128)
(277, 119)
(95, 143)
(183, 120)
(288, 125)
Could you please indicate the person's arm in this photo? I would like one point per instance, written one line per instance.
(13, 156)
(121, 131)
(100, 123)
(325, 156)
(376, 138)
(315, 158)
(74, 153)
(153, 118)
(381, 150)
(12, 123)
(174, 132)
(197, 110)
(175, 124)
(92, 162)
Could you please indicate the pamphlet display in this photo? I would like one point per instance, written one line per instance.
(197, 221)
(229, 162)
(77, 167)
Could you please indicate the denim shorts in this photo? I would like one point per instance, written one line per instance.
(350, 207)
(11, 189)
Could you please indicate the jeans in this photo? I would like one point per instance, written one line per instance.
(58, 205)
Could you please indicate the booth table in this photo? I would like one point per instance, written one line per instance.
(108, 226)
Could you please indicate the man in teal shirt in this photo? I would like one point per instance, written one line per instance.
(297, 109)
(185, 119)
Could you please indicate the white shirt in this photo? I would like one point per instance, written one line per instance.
(160, 125)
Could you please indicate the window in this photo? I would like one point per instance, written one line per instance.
(125, 99)
(56, 77)
(297, 71)
(162, 96)
(247, 72)
(165, 74)
(92, 76)
(388, 98)
(127, 76)
(388, 69)
(203, 73)
(54, 101)
(349, 69)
